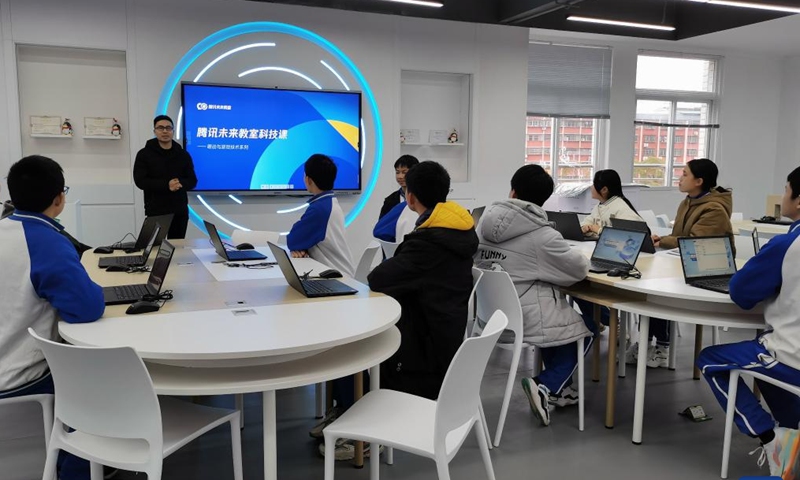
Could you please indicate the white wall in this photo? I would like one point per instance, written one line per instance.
(789, 123)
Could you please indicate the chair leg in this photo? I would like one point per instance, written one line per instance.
(484, 447)
(96, 471)
(154, 472)
(581, 352)
(374, 461)
(714, 335)
(389, 456)
(236, 448)
(50, 464)
(698, 345)
(239, 401)
(596, 346)
(537, 361)
(330, 456)
(673, 345)
(47, 419)
(512, 377)
(485, 424)
(443, 469)
(319, 395)
(726, 439)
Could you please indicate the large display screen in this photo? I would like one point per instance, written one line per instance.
(248, 139)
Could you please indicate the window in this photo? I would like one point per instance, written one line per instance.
(676, 105)
(565, 147)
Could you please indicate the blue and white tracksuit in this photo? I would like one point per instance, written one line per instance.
(394, 226)
(320, 232)
(773, 277)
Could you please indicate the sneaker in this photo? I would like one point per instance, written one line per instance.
(332, 415)
(781, 453)
(568, 396)
(658, 357)
(632, 354)
(537, 397)
(346, 450)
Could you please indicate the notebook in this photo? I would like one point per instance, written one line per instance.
(647, 246)
(707, 262)
(616, 248)
(309, 288)
(568, 226)
(132, 293)
(230, 255)
(163, 221)
(132, 260)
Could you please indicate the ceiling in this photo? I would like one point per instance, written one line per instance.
(690, 19)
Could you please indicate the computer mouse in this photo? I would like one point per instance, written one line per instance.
(245, 246)
(142, 307)
(330, 273)
(103, 250)
(615, 272)
(116, 268)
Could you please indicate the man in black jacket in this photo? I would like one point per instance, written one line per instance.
(401, 168)
(164, 171)
(431, 276)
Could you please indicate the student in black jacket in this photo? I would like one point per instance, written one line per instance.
(401, 168)
(164, 171)
(431, 276)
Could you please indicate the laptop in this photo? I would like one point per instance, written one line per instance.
(707, 262)
(476, 214)
(131, 260)
(616, 248)
(756, 242)
(647, 246)
(133, 293)
(163, 221)
(230, 255)
(569, 227)
(309, 288)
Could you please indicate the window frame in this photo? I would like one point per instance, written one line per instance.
(597, 149)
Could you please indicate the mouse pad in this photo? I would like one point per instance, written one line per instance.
(223, 273)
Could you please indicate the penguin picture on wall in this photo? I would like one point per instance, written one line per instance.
(66, 127)
(116, 129)
(453, 138)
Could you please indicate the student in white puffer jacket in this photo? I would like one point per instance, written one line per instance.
(607, 188)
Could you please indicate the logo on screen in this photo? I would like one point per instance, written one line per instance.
(209, 106)
(202, 106)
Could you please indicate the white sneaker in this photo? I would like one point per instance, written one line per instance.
(568, 396)
(778, 452)
(658, 357)
(632, 354)
(537, 397)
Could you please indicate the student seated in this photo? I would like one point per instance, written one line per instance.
(516, 236)
(43, 282)
(771, 277)
(705, 211)
(401, 167)
(393, 225)
(319, 233)
(430, 276)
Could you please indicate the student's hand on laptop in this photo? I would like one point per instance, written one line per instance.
(300, 254)
(656, 240)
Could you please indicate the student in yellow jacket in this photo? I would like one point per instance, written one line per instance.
(705, 211)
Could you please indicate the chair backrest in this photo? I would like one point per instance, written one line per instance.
(365, 264)
(255, 237)
(460, 392)
(663, 221)
(103, 391)
(388, 247)
(737, 216)
(496, 291)
(649, 217)
(477, 273)
(744, 246)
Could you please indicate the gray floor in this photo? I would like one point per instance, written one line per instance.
(673, 447)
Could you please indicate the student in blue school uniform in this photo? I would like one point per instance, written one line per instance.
(43, 282)
(401, 167)
(319, 233)
(395, 223)
(771, 277)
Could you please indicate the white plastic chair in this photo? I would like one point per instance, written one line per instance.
(663, 221)
(496, 291)
(477, 273)
(365, 264)
(388, 247)
(733, 387)
(254, 237)
(46, 402)
(433, 429)
(107, 397)
(649, 217)
(737, 216)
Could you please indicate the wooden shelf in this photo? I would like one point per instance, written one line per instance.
(49, 135)
(102, 137)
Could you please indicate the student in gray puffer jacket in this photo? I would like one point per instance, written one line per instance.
(515, 235)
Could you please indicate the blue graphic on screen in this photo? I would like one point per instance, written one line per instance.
(243, 138)
(707, 257)
(620, 246)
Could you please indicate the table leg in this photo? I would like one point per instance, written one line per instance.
(270, 437)
(596, 346)
(375, 457)
(641, 377)
(357, 394)
(611, 376)
(623, 343)
(673, 344)
(698, 345)
(319, 399)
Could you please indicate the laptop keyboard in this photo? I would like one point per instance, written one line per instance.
(314, 286)
(720, 283)
(127, 260)
(600, 265)
(130, 292)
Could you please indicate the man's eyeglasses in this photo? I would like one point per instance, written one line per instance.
(162, 128)
(66, 190)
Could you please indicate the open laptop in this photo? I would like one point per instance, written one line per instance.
(476, 214)
(569, 227)
(616, 248)
(131, 260)
(132, 293)
(647, 246)
(707, 262)
(230, 255)
(163, 221)
(309, 288)
(756, 242)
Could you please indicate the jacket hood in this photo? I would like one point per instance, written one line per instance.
(449, 215)
(153, 146)
(451, 227)
(716, 195)
(511, 218)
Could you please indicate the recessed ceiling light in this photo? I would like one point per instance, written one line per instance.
(421, 3)
(759, 6)
(620, 24)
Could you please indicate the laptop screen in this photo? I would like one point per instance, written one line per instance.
(149, 248)
(476, 214)
(706, 257)
(618, 246)
(285, 264)
(161, 265)
(756, 242)
(215, 240)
